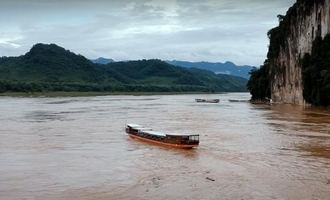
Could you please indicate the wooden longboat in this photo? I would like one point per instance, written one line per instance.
(183, 141)
(207, 100)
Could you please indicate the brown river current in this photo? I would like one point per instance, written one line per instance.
(76, 148)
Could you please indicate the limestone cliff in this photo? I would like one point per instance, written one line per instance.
(305, 21)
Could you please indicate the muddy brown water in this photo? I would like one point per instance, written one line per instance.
(76, 148)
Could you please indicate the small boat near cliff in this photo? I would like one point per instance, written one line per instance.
(265, 101)
(238, 101)
(185, 141)
(207, 100)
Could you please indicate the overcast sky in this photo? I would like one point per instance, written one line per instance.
(193, 30)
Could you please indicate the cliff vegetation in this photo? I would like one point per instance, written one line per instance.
(316, 73)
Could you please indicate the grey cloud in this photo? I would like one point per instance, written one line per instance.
(210, 30)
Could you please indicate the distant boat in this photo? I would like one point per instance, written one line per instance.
(207, 100)
(266, 101)
(185, 141)
(237, 101)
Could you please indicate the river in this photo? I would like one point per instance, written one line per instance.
(76, 148)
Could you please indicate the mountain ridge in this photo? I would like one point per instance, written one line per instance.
(227, 67)
(102, 60)
(48, 67)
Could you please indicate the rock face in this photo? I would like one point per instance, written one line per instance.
(294, 37)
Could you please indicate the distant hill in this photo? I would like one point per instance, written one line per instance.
(102, 61)
(49, 63)
(161, 73)
(228, 68)
(52, 68)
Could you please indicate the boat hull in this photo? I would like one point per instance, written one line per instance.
(180, 146)
(183, 141)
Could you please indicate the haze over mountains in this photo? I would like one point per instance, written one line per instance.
(53, 68)
(102, 61)
(218, 68)
(228, 68)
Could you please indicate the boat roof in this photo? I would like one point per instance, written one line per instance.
(181, 134)
(155, 133)
(151, 132)
(144, 129)
(134, 125)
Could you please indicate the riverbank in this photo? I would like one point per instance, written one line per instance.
(87, 94)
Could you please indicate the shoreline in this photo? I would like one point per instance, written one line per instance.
(87, 94)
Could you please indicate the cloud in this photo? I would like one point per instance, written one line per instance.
(9, 42)
(210, 30)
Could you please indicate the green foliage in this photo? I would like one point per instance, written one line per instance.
(50, 63)
(220, 82)
(316, 73)
(52, 68)
(259, 85)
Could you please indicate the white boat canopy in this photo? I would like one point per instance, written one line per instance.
(134, 125)
(144, 129)
(155, 133)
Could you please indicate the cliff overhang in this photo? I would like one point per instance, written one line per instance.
(291, 42)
